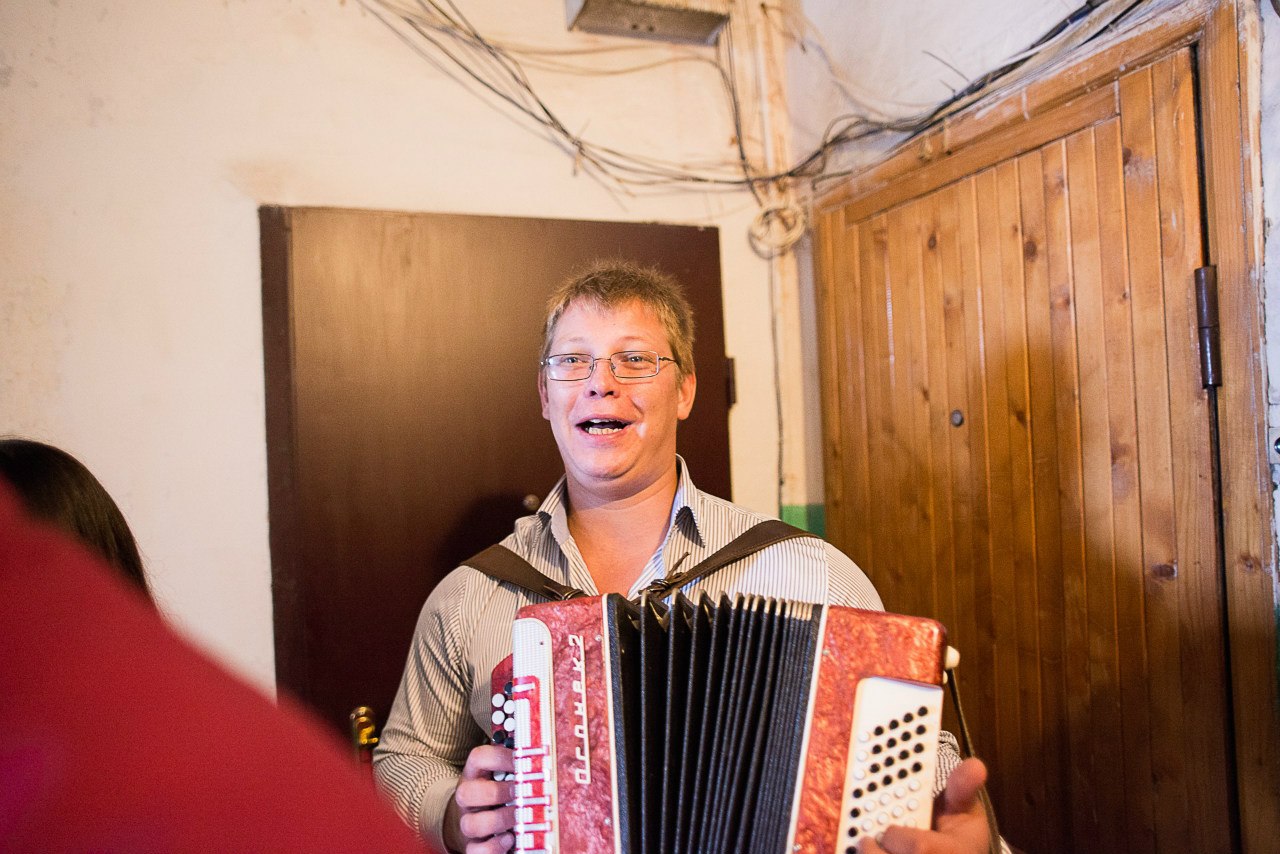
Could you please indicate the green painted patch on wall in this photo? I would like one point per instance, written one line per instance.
(811, 517)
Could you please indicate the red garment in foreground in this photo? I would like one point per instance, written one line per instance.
(120, 736)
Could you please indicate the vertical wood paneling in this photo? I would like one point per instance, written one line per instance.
(936, 349)
(1043, 674)
(898, 427)
(851, 394)
(1066, 529)
(1157, 569)
(1196, 775)
(836, 288)
(973, 575)
(908, 453)
(1150, 186)
(1131, 649)
(1008, 714)
(982, 648)
(924, 487)
(873, 274)
(1002, 301)
(1061, 505)
(831, 288)
(1019, 576)
(854, 407)
(1105, 798)
(952, 355)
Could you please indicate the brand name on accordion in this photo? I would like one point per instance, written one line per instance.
(581, 768)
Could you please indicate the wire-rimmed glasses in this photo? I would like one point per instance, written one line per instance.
(625, 364)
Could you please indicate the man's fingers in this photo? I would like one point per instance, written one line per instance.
(959, 825)
(909, 840)
(961, 793)
(485, 823)
(868, 845)
(496, 845)
(486, 759)
(483, 794)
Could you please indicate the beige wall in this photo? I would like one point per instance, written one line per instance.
(137, 141)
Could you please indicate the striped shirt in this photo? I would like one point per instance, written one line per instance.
(442, 709)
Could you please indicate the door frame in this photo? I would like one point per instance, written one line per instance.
(1225, 37)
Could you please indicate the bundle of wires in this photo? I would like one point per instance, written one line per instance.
(439, 32)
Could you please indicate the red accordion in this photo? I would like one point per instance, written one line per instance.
(752, 725)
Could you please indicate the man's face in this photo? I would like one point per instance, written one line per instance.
(616, 437)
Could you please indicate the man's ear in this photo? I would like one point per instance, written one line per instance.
(688, 389)
(542, 393)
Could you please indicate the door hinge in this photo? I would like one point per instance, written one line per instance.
(730, 382)
(1207, 318)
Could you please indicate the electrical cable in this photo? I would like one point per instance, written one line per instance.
(777, 228)
(432, 22)
(469, 57)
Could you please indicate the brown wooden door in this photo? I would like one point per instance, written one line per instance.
(1019, 445)
(404, 431)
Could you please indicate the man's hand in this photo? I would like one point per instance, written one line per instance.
(478, 820)
(959, 821)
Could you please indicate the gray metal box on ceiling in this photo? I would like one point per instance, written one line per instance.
(693, 21)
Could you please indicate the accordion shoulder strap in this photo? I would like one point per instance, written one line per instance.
(757, 537)
(505, 565)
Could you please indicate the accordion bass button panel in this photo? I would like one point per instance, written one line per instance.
(527, 709)
(893, 746)
(502, 719)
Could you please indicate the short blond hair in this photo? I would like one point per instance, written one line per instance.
(609, 284)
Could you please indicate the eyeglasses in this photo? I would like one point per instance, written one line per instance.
(626, 365)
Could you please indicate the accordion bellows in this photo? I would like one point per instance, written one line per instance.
(744, 725)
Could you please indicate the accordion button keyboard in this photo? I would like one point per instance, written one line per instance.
(504, 723)
(894, 721)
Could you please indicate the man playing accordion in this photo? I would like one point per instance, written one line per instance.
(617, 378)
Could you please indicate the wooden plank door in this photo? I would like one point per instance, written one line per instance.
(1019, 445)
(404, 432)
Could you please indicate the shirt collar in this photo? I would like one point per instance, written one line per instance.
(686, 511)
(552, 513)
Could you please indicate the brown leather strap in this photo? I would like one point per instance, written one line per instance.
(993, 827)
(505, 565)
(757, 537)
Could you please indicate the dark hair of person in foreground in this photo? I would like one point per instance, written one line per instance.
(57, 488)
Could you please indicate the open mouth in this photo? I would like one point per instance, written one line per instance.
(602, 426)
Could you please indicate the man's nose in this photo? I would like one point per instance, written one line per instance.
(602, 382)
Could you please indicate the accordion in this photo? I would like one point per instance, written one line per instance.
(751, 724)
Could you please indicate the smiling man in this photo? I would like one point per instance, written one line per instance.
(617, 378)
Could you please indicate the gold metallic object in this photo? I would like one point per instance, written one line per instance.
(364, 730)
